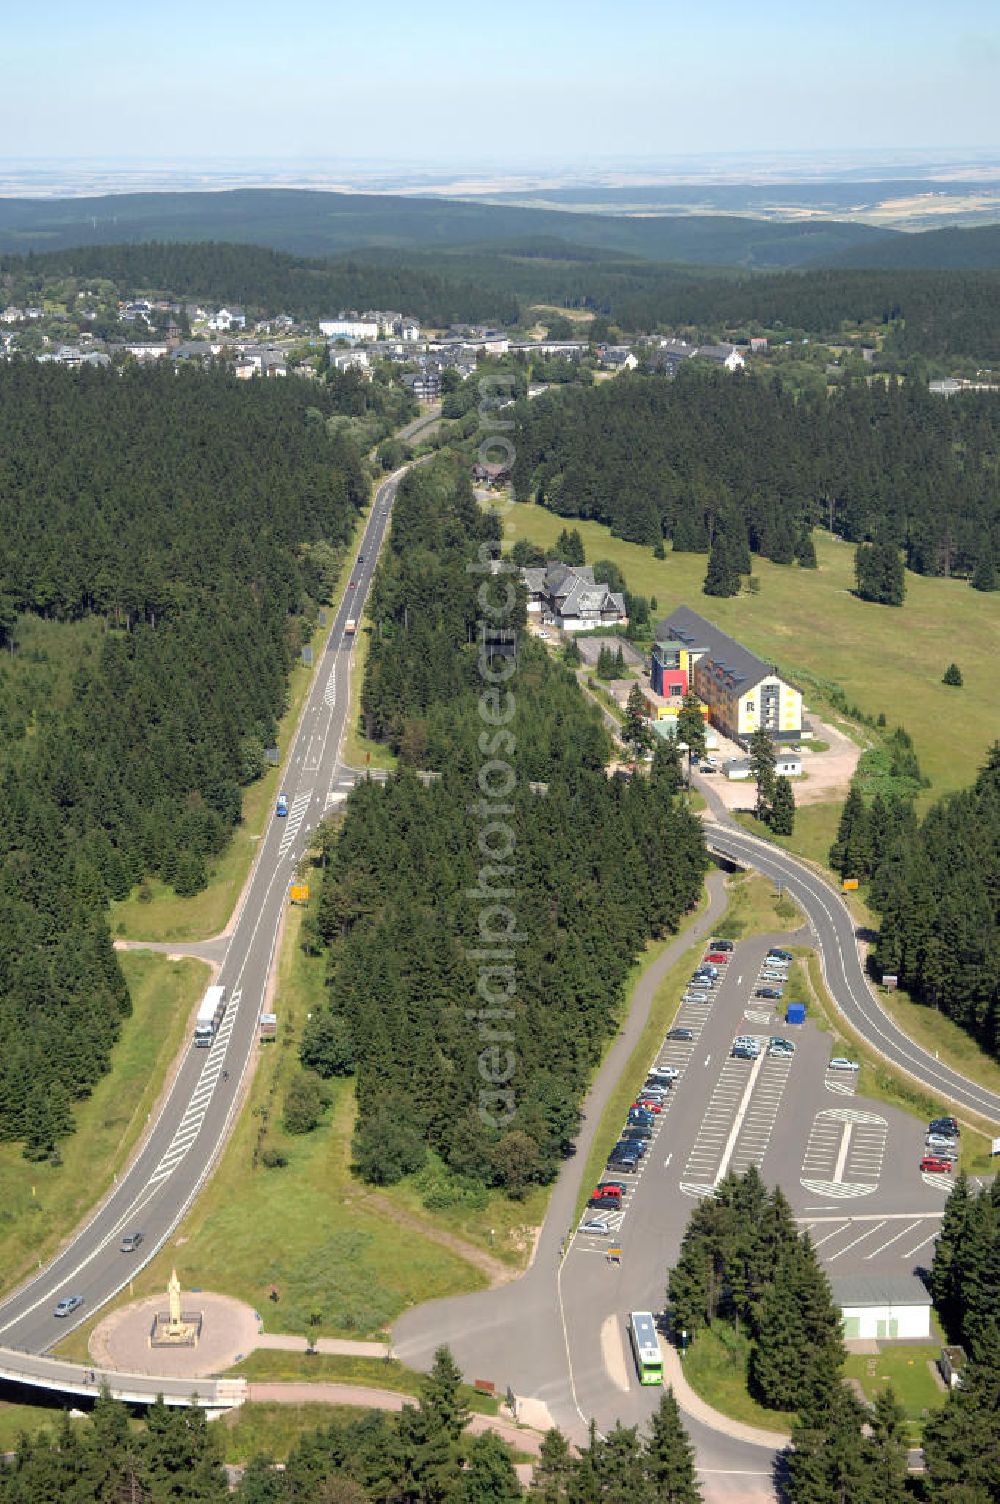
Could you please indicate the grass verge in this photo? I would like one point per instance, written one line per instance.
(275, 1430)
(40, 1204)
(815, 830)
(908, 1369)
(878, 1080)
(268, 1366)
(716, 1369)
(359, 751)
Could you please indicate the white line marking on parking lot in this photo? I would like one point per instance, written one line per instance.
(845, 1140)
(740, 1115)
(707, 1059)
(667, 1160)
(894, 1239)
(911, 1251)
(859, 1239)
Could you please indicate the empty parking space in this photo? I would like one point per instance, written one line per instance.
(761, 1115)
(844, 1153)
(873, 1241)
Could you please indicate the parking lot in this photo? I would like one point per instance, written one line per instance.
(726, 1112)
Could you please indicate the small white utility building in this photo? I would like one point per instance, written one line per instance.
(882, 1306)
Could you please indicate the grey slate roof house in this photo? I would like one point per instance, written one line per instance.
(572, 598)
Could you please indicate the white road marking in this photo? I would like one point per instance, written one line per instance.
(859, 1239)
(894, 1239)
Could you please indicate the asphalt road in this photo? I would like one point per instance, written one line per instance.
(835, 930)
(196, 1117)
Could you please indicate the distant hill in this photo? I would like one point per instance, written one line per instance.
(323, 224)
(950, 249)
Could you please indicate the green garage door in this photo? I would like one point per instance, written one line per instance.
(888, 1328)
(852, 1327)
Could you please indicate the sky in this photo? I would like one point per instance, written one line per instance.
(522, 82)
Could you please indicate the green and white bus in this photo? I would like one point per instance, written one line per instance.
(646, 1347)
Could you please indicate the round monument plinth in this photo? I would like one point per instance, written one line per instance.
(126, 1339)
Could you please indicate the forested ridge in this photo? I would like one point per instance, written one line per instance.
(655, 458)
(934, 314)
(598, 867)
(263, 281)
(196, 519)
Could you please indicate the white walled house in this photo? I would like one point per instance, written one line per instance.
(882, 1306)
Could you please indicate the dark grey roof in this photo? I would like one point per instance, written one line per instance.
(739, 664)
(879, 1290)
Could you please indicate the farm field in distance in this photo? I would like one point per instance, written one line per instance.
(884, 658)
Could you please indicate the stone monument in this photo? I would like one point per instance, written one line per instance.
(174, 1327)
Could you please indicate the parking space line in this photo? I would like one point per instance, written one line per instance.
(911, 1251)
(894, 1239)
(859, 1239)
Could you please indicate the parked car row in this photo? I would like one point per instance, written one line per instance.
(644, 1115)
(941, 1146)
(773, 974)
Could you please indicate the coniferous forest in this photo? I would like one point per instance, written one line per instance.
(599, 866)
(191, 521)
(677, 459)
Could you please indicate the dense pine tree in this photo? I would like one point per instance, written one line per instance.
(879, 572)
(782, 819)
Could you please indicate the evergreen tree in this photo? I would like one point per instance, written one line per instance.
(828, 1463)
(553, 1473)
(887, 1449)
(605, 663)
(850, 854)
(879, 572)
(762, 761)
(669, 1457)
(805, 549)
(962, 1440)
(721, 578)
(691, 725)
(571, 653)
(953, 675)
(984, 576)
(489, 1477)
(666, 774)
(783, 807)
(636, 731)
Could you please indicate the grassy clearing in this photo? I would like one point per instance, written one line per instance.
(265, 1366)
(40, 1204)
(884, 659)
(256, 1429)
(756, 908)
(815, 829)
(908, 1369)
(876, 1079)
(716, 1369)
(308, 1227)
(17, 1418)
(943, 1037)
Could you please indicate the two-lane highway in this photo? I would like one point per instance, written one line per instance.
(197, 1115)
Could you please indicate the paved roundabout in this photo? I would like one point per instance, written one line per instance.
(229, 1332)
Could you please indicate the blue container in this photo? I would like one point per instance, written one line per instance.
(795, 1013)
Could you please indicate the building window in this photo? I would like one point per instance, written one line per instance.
(750, 707)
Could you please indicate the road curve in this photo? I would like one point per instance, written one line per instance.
(835, 931)
(200, 1108)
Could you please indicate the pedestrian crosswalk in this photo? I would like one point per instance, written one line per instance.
(293, 820)
(190, 1124)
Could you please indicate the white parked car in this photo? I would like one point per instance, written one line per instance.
(597, 1225)
(841, 1063)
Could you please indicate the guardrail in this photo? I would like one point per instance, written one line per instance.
(82, 1381)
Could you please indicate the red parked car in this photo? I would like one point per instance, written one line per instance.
(935, 1166)
(609, 1188)
(717, 958)
(648, 1104)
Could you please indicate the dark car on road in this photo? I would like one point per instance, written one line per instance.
(779, 955)
(624, 1157)
(680, 1034)
(772, 992)
(130, 1242)
(638, 1136)
(722, 945)
(948, 1126)
(68, 1305)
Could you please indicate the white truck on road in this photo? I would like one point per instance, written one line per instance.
(210, 1014)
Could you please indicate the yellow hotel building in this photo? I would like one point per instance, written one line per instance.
(742, 692)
